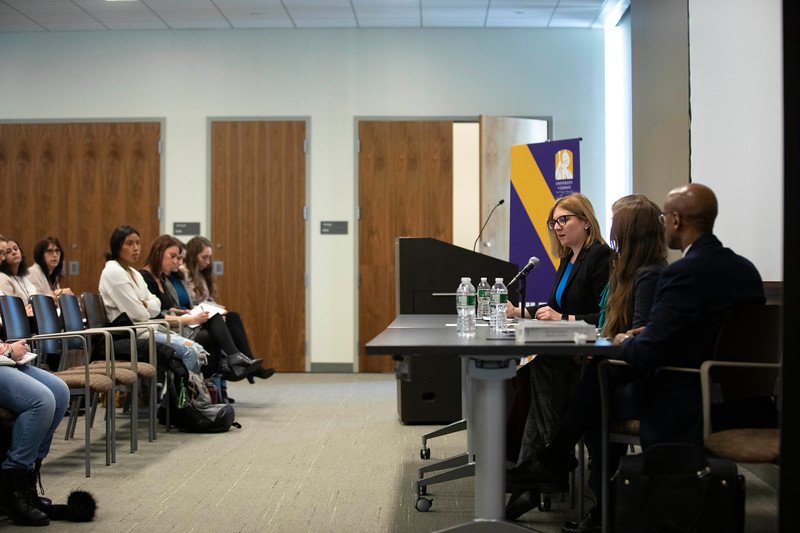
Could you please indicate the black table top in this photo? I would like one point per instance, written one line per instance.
(427, 334)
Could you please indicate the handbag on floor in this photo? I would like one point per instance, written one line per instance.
(678, 488)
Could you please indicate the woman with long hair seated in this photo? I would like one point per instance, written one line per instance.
(124, 291)
(46, 272)
(200, 283)
(14, 275)
(211, 331)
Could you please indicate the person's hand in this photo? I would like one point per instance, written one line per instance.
(511, 310)
(29, 309)
(634, 332)
(178, 312)
(619, 338)
(547, 313)
(199, 318)
(59, 292)
(19, 349)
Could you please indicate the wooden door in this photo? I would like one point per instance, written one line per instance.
(257, 198)
(79, 181)
(498, 135)
(405, 190)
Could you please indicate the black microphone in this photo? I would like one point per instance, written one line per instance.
(501, 202)
(532, 262)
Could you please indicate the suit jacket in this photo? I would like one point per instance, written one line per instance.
(692, 297)
(582, 292)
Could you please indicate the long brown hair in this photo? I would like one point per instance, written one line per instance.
(157, 250)
(581, 206)
(195, 247)
(637, 240)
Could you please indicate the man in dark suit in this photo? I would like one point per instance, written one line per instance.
(691, 300)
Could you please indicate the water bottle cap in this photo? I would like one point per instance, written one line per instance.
(498, 280)
(466, 280)
(483, 279)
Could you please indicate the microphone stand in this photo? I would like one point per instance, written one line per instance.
(521, 292)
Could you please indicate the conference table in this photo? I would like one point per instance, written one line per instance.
(490, 362)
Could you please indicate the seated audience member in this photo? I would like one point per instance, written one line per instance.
(46, 271)
(692, 297)
(580, 281)
(639, 254)
(199, 282)
(124, 291)
(39, 400)
(212, 333)
(13, 275)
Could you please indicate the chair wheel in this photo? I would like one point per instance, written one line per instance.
(423, 504)
(545, 504)
(425, 453)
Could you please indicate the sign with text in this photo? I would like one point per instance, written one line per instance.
(540, 173)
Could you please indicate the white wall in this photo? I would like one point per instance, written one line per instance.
(466, 183)
(737, 122)
(330, 76)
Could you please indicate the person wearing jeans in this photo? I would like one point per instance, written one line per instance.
(39, 401)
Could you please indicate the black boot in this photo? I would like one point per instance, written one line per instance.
(263, 373)
(35, 484)
(231, 374)
(241, 360)
(15, 498)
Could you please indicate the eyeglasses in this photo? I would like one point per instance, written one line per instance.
(561, 221)
(52, 251)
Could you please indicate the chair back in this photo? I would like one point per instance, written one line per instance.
(15, 319)
(72, 316)
(95, 310)
(47, 321)
(71, 312)
(749, 333)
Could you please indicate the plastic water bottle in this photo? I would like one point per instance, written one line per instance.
(465, 307)
(484, 289)
(499, 297)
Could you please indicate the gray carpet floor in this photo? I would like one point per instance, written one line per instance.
(316, 452)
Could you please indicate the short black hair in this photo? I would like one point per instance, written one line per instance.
(118, 239)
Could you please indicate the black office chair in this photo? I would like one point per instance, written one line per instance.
(83, 385)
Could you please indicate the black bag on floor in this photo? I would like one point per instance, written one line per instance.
(191, 409)
(678, 488)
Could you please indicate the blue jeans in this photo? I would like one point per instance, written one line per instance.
(39, 399)
(186, 349)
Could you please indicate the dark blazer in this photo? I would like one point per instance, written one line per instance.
(691, 299)
(582, 292)
(644, 291)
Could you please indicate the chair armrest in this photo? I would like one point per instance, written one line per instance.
(65, 335)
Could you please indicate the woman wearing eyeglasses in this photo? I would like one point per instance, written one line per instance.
(580, 281)
(583, 269)
(46, 271)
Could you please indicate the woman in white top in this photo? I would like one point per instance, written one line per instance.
(13, 278)
(124, 291)
(46, 271)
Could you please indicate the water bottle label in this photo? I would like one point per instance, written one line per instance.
(483, 293)
(502, 298)
(471, 299)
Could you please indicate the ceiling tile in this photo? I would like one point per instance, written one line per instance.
(573, 17)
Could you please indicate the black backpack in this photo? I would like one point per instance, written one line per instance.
(190, 405)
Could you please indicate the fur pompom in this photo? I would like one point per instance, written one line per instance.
(80, 507)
